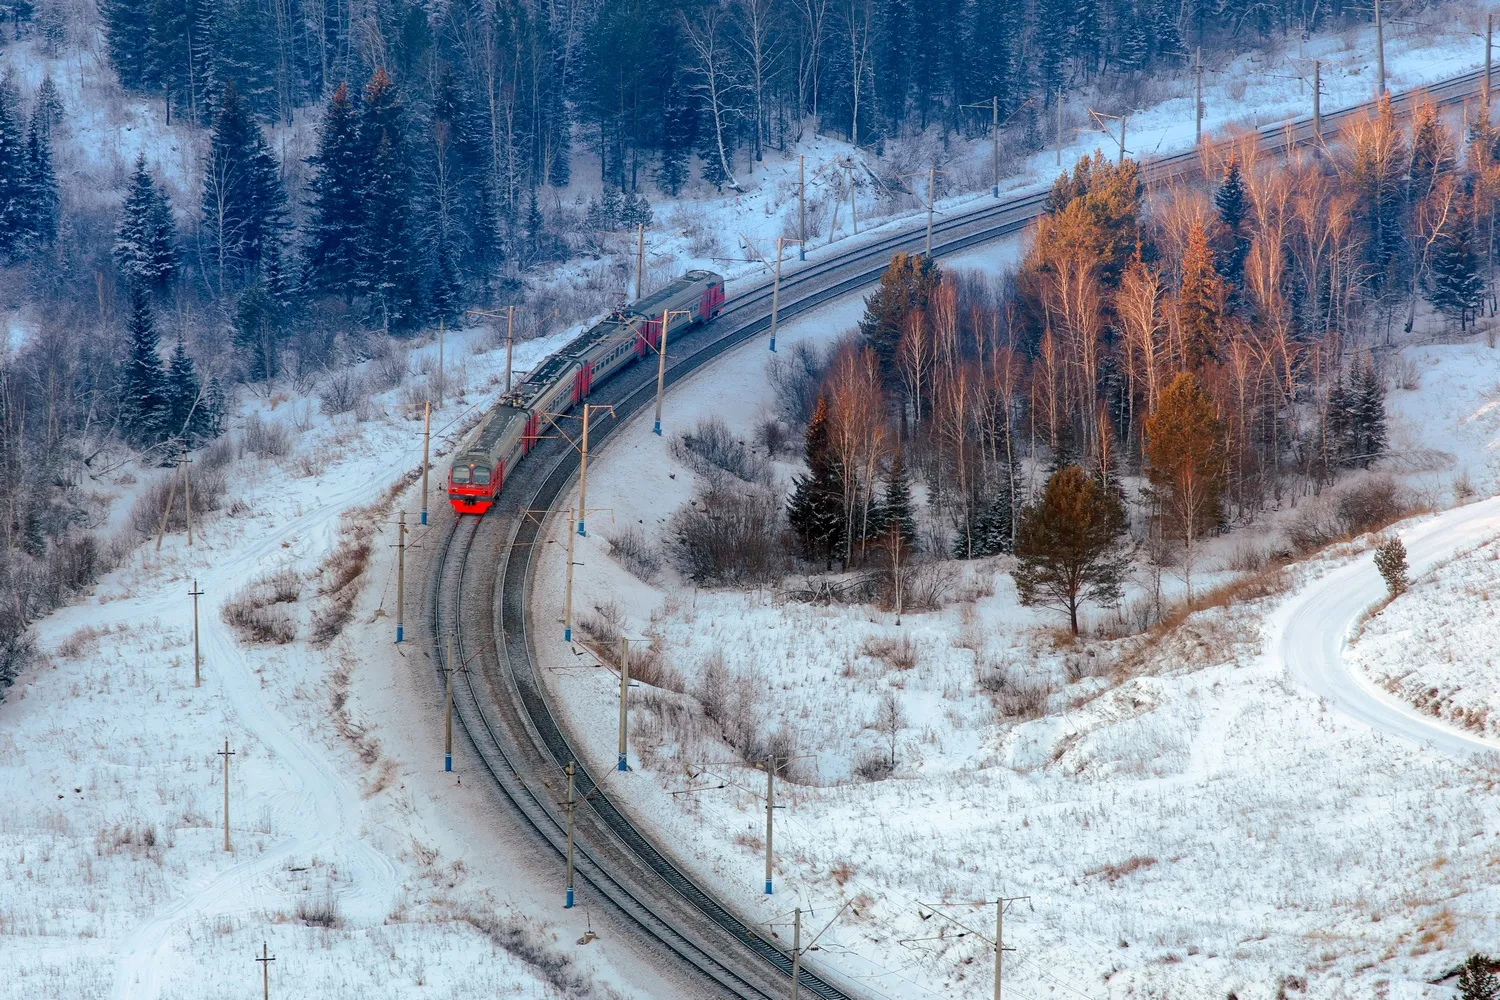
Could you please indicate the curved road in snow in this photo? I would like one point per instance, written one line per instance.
(1311, 631)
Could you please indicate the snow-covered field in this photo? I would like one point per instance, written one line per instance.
(1191, 819)
(364, 868)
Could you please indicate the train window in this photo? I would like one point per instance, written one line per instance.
(460, 474)
(481, 477)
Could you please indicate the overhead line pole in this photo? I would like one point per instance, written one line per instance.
(624, 689)
(1380, 50)
(661, 361)
(196, 593)
(801, 207)
(1198, 97)
(426, 443)
(401, 578)
(568, 904)
(226, 753)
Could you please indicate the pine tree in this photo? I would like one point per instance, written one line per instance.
(1476, 979)
(145, 248)
(711, 168)
(1230, 201)
(143, 401)
(1068, 546)
(1455, 281)
(1390, 560)
(816, 508)
(1200, 302)
(335, 229)
(244, 205)
(535, 228)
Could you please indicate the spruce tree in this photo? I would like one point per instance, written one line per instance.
(187, 416)
(48, 108)
(336, 226)
(143, 400)
(1368, 410)
(145, 247)
(42, 199)
(127, 38)
(259, 326)
(388, 271)
(1432, 153)
(1455, 282)
(907, 284)
(1339, 424)
(993, 529)
(15, 200)
(816, 508)
(896, 503)
(1231, 204)
(244, 205)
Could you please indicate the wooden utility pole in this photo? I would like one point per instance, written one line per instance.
(770, 806)
(776, 285)
(167, 511)
(426, 444)
(1000, 949)
(226, 753)
(568, 589)
(640, 261)
(853, 211)
(187, 492)
(401, 578)
(801, 208)
(570, 770)
(265, 960)
(1059, 126)
(1489, 38)
(583, 473)
(440, 386)
(1379, 51)
(661, 361)
(196, 593)
(1198, 96)
(510, 342)
(624, 689)
(931, 191)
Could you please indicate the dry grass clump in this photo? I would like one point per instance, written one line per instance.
(515, 936)
(340, 577)
(207, 487)
(647, 665)
(1115, 872)
(82, 641)
(897, 654)
(265, 438)
(1016, 698)
(259, 613)
(320, 912)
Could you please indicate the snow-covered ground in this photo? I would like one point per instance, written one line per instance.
(364, 868)
(1191, 818)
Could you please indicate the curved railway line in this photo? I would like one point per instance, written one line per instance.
(480, 580)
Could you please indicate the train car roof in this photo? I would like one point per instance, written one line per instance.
(614, 326)
(546, 374)
(493, 428)
(660, 298)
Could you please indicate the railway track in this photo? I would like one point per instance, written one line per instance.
(480, 581)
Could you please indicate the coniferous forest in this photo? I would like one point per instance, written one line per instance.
(444, 132)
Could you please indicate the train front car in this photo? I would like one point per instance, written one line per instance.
(478, 471)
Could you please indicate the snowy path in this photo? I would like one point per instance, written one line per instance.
(1311, 631)
(317, 810)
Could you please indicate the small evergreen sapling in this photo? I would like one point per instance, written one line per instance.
(1390, 559)
(1476, 979)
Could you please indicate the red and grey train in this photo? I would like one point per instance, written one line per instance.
(512, 428)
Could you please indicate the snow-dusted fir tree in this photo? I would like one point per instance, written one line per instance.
(14, 201)
(993, 529)
(145, 248)
(189, 409)
(42, 200)
(816, 508)
(337, 222)
(144, 409)
(388, 271)
(1367, 399)
(1456, 285)
(1232, 205)
(896, 507)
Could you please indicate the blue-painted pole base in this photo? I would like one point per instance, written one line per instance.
(424, 515)
(801, 254)
(400, 633)
(768, 887)
(773, 344)
(995, 190)
(581, 530)
(621, 765)
(656, 428)
(569, 904)
(568, 634)
(447, 762)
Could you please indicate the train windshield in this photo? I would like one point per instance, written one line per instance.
(460, 473)
(481, 477)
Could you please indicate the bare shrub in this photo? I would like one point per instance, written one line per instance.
(1015, 698)
(631, 549)
(796, 376)
(775, 437)
(730, 533)
(216, 455)
(731, 702)
(898, 654)
(711, 445)
(1407, 374)
(515, 936)
(320, 912)
(1368, 503)
(604, 625)
(389, 365)
(1247, 557)
(929, 586)
(265, 438)
(207, 494)
(258, 611)
(873, 765)
(340, 393)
